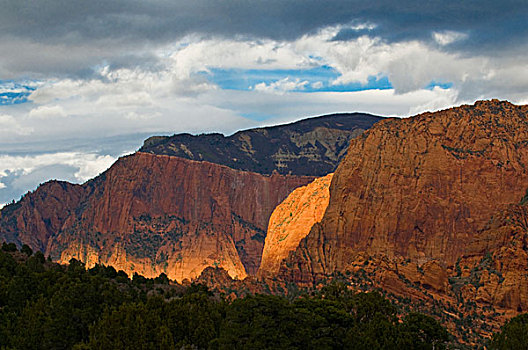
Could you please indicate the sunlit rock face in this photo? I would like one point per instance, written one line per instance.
(291, 221)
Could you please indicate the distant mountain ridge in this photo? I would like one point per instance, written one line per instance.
(311, 147)
(159, 211)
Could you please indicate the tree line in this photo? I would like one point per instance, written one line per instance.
(44, 305)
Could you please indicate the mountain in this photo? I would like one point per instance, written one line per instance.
(421, 187)
(152, 212)
(312, 147)
(432, 209)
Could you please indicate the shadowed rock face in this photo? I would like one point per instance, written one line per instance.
(40, 214)
(420, 188)
(312, 147)
(160, 211)
(497, 260)
(151, 214)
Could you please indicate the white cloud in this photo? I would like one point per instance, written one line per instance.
(171, 97)
(86, 165)
(281, 86)
(47, 112)
(200, 55)
(9, 126)
(317, 85)
(137, 116)
(19, 174)
(410, 65)
(448, 37)
(176, 96)
(292, 106)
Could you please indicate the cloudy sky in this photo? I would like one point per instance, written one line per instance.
(83, 82)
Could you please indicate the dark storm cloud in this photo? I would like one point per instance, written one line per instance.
(87, 31)
(156, 20)
(489, 25)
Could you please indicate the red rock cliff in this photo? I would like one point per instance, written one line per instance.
(420, 188)
(151, 214)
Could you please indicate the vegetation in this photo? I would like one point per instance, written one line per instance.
(524, 199)
(48, 306)
(513, 335)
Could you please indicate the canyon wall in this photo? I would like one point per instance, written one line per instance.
(151, 214)
(421, 188)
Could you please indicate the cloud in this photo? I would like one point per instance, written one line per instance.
(292, 106)
(47, 112)
(281, 86)
(448, 37)
(87, 165)
(182, 94)
(19, 174)
(126, 32)
(10, 126)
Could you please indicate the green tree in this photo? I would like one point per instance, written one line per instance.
(9, 247)
(131, 326)
(420, 331)
(513, 335)
(26, 250)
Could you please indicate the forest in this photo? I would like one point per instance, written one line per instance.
(44, 305)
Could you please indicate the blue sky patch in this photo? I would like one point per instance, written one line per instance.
(319, 79)
(441, 85)
(12, 93)
(246, 79)
(373, 83)
(13, 98)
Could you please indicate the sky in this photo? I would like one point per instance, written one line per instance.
(84, 82)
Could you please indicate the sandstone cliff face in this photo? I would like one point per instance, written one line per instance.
(291, 221)
(419, 188)
(151, 214)
(41, 214)
(496, 261)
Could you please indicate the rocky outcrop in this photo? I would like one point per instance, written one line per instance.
(151, 214)
(312, 147)
(420, 188)
(291, 221)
